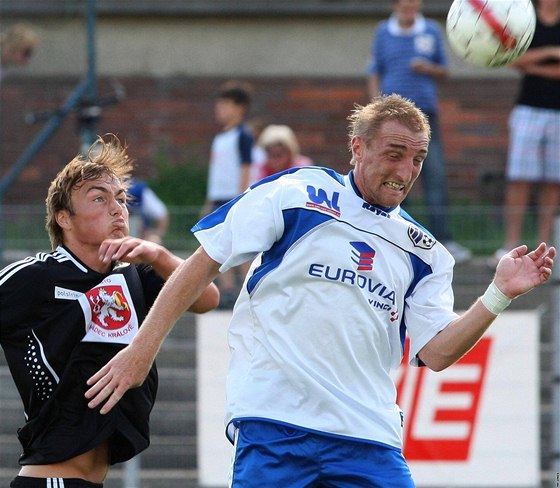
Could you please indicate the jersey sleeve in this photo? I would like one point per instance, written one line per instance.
(23, 285)
(429, 307)
(246, 226)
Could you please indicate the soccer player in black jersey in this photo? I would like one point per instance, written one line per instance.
(64, 314)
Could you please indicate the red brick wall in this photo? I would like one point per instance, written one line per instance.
(177, 113)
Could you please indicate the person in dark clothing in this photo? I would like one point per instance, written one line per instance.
(68, 312)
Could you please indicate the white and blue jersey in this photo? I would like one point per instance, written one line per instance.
(323, 313)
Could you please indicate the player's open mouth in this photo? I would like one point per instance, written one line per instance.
(394, 186)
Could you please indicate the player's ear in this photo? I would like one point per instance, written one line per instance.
(357, 145)
(62, 218)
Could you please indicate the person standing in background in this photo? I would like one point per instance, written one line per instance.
(534, 147)
(408, 57)
(229, 171)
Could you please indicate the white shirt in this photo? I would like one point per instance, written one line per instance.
(226, 159)
(321, 318)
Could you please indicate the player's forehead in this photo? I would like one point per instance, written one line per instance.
(393, 133)
(104, 183)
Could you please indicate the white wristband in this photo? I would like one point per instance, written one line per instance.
(494, 300)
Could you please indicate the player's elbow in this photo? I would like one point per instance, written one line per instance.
(209, 300)
(435, 360)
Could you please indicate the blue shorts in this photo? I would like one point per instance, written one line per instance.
(271, 454)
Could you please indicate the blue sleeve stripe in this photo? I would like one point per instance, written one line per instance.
(216, 217)
(219, 215)
(420, 270)
(298, 222)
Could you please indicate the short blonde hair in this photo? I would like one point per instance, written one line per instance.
(366, 121)
(106, 157)
(279, 134)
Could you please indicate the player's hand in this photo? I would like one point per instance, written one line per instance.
(130, 250)
(519, 271)
(127, 369)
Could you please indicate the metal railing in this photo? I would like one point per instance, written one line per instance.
(478, 227)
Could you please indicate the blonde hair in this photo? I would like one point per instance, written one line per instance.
(104, 158)
(279, 134)
(366, 121)
(19, 37)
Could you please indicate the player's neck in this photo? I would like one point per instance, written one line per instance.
(89, 255)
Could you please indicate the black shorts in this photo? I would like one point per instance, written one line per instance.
(27, 482)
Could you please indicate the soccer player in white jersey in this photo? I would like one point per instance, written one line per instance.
(64, 314)
(341, 274)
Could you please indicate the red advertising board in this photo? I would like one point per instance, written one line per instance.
(442, 410)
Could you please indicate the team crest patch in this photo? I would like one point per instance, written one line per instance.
(419, 238)
(109, 313)
(109, 306)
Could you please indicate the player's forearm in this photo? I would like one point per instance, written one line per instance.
(166, 263)
(208, 300)
(458, 338)
(180, 292)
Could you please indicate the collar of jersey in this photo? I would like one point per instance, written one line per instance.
(355, 188)
(86, 269)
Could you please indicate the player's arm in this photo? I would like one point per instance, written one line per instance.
(163, 261)
(139, 251)
(517, 273)
(130, 366)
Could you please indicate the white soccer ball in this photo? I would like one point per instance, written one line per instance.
(490, 33)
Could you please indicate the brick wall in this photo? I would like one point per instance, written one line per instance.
(177, 114)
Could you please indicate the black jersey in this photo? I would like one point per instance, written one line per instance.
(60, 322)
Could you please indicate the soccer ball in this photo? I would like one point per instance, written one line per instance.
(490, 33)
